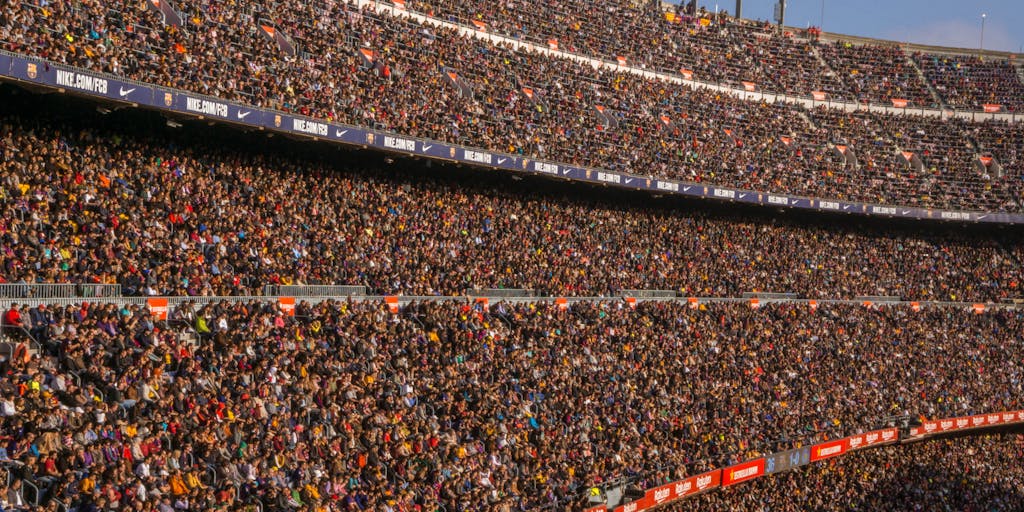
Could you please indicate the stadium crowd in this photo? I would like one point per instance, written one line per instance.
(969, 474)
(162, 212)
(966, 81)
(396, 77)
(719, 48)
(346, 406)
(455, 406)
(878, 73)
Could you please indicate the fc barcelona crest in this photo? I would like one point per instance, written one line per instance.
(648, 183)
(451, 151)
(588, 174)
(168, 99)
(525, 162)
(369, 138)
(31, 70)
(277, 121)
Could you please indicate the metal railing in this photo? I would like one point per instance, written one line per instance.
(769, 295)
(314, 290)
(28, 487)
(649, 294)
(21, 333)
(58, 290)
(501, 292)
(879, 298)
(175, 301)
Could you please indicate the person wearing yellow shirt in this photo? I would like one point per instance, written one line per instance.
(178, 487)
(311, 492)
(201, 327)
(193, 482)
(87, 485)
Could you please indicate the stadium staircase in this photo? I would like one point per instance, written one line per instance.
(274, 34)
(170, 14)
(12, 337)
(1009, 252)
(8, 346)
(823, 62)
(931, 88)
(810, 122)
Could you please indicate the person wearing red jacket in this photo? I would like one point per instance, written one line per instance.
(12, 318)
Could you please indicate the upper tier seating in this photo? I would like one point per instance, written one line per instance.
(530, 104)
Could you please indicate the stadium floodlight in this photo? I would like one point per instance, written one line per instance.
(981, 44)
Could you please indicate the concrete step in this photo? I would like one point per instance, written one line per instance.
(927, 83)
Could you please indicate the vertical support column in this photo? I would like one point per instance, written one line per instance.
(780, 14)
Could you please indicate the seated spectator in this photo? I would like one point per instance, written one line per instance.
(709, 137)
(12, 318)
(526, 234)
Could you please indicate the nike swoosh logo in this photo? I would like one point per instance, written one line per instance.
(565, 171)
(124, 93)
(742, 196)
(686, 189)
(629, 180)
(339, 133)
(243, 115)
(906, 212)
(501, 160)
(427, 148)
(982, 216)
(847, 207)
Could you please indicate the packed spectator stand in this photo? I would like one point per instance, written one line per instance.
(962, 474)
(966, 81)
(112, 199)
(444, 404)
(878, 73)
(431, 82)
(347, 405)
(717, 48)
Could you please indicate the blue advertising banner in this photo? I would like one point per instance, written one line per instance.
(131, 92)
(508, 162)
(434, 149)
(73, 80)
(475, 156)
(393, 142)
(298, 125)
(164, 99)
(214, 109)
(347, 134)
(103, 86)
(33, 71)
